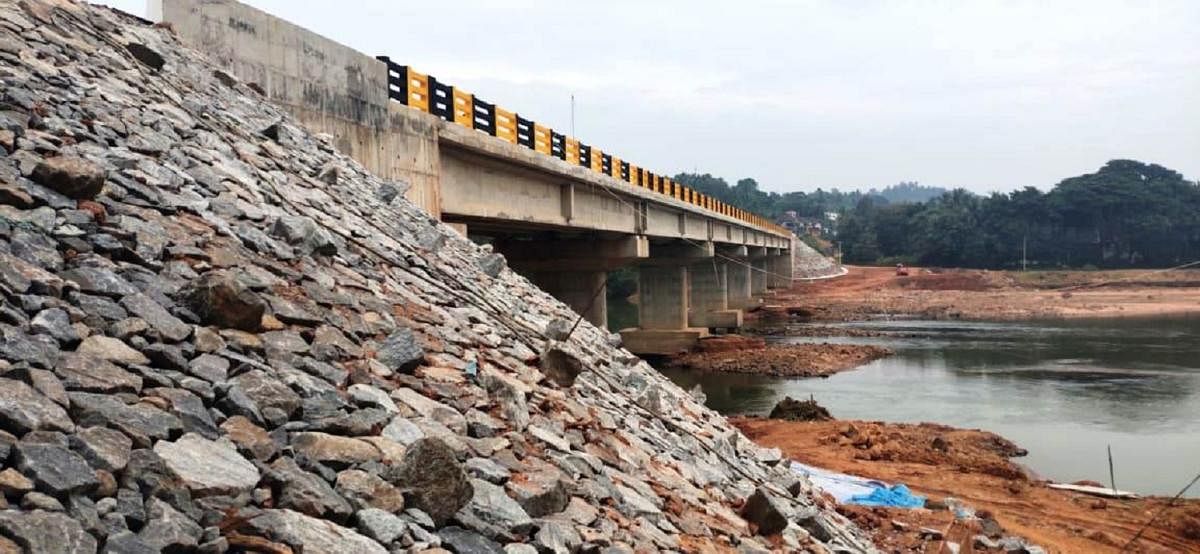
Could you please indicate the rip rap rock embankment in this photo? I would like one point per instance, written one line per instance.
(811, 264)
(216, 333)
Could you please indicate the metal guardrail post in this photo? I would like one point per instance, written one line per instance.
(585, 155)
(485, 117)
(558, 145)
(441, 99)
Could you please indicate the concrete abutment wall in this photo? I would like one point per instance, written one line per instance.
(329, 87)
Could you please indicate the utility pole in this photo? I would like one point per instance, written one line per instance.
(1024, 244)
(573, 116)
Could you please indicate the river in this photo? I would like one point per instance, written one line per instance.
(1064, 390)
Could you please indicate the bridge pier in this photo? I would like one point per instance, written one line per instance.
(574, 270)
(779, 266)
(662, 312)
(710, 297)
(662, 297)
(737, 276)
(665, 299)
(738, 280)
(782, 267)
(758, 272)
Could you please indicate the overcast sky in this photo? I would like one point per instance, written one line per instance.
(800, 95)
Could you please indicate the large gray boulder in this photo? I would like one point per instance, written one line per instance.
(311, 534)
(142, 422)
(208, 467)
(307, 493)
(304, 235)
(55, 470)
(401, 351)
(103, 448)
(99, 280)
(169, 327)
(23, 409)
(17, 346)
(494, 514)
(46, 532)
(465, 541)
(168, 530)
(380, 525)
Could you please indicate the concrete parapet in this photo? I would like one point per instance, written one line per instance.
(455, 173)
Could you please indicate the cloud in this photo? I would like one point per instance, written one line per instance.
(982, 94)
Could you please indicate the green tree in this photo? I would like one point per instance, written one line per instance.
(1126, 214)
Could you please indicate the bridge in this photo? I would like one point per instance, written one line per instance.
(564, 213)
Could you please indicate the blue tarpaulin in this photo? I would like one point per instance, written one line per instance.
(851, 489)
(896, 496)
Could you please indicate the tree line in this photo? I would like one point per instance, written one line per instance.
(745, 194)
(1126, 214)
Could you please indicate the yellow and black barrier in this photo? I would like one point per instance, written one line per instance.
(426, 93)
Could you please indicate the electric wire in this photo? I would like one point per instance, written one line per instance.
(1138, 276)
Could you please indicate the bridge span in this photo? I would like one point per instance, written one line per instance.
(562, 212)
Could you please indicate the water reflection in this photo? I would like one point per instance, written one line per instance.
(1063, 390)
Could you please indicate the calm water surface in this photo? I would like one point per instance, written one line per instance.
(1064, 390)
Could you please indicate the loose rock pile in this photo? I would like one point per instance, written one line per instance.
(799, 410)
(216, 333)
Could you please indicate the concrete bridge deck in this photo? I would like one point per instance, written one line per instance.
(563, 225)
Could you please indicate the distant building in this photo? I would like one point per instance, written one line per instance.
(800, 225)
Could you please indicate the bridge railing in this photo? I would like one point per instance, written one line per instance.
(426, 93)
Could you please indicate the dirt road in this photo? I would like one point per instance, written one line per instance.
(977, 294)
(973, 466)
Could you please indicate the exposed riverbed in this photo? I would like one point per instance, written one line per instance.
(1064, 390)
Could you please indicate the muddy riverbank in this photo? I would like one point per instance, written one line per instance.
(1050, 359)
(930, 293)
(1065, 389)
(753, 355)
(975, 467)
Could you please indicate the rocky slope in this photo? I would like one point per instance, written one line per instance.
(810, 263)
(216, 333)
